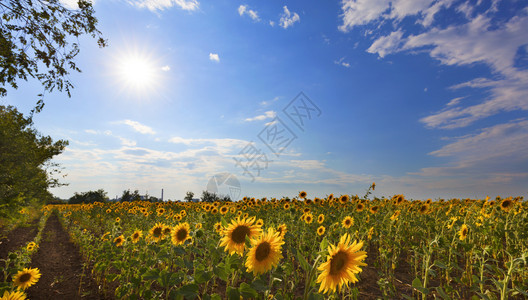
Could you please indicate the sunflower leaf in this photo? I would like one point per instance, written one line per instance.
(247, 291)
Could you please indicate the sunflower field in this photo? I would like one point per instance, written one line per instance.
(343, 247)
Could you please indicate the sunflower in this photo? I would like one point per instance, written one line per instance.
(26, 278)
(214, 211)
(424, 209)
(308, 218)
(178, 217)
(347, 222)
(374, 209)
(260, 223)
(180, 233)
(198, 226)
(118, 219)
(321, 230)
(136, 236)
(218, 227)
(103, 237)
(15, 295)
(234, 236)
(344, 199)
(342, 263)
(156, 232)
(302, 195)
(224, 210)
(31, 246)
(265, 253)
(463, 232)
(118, 241)
(167, 230)
(360, 207)
(287, 206)
(506, 204)
(282, 229)
(320, 218)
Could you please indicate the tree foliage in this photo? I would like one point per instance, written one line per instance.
(89, 197)
(26, 170)
(39, 39)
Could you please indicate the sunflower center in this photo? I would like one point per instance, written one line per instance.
(338, 262)
(25, 277)
(157, 232)
(239, 234)
(181, 234)
(135, 236)
(263, 251)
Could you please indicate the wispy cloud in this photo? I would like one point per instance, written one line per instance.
(268, 102)
(144, 129)
(463, 44)
(253, 14)
(214, 57)
(155, 5)
(165, 68)
(270, 114)
(342, 62)
(288, 18)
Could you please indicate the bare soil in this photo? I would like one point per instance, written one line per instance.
(61, 267)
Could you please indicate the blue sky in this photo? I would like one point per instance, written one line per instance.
(425, 98)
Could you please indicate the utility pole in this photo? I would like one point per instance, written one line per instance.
(161, 195)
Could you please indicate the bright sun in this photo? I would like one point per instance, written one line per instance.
(137, 72)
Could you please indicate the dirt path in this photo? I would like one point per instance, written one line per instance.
(17, 238)
(61, 266)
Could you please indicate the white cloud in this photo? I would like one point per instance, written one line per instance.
(127, 142)
(454, 101)
(270, 114)
(165, 68)
(362, 12)
(288, 19)
(243, 10)
(266, 103)
(155, 5)
(386, 44)
(342, 62)
(214, 57)
(144, 129)
(272, 23)
(271, 123)
(90, 131)
(476, 41)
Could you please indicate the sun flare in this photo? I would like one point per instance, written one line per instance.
(137, 72)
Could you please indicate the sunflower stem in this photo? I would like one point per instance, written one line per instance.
(310, 278)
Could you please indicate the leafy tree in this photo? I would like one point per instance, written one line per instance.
(128, 196)
(189, 196)
(39, 39)
(89, 197)
(26, 170)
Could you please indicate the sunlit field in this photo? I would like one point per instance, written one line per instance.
(336, 247)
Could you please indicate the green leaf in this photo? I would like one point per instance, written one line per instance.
(233, 294)
(221, 272)
(303, 262)
(201, 276)
(246, 291)
(442, 293)
(189, 291)
(152, 274)
(417, 284)
(259, 285)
